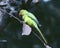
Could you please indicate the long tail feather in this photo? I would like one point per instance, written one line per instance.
(41, 34)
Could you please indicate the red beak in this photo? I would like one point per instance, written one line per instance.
(19, 14)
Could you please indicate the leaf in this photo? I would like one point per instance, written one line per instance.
(26, 30)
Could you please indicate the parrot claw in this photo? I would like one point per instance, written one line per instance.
(22, 22)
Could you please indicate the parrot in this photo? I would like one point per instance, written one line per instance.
(30, 19)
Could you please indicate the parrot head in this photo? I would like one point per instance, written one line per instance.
(22, 12)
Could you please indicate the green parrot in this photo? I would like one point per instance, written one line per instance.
(31, 20)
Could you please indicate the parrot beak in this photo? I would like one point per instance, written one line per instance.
(19, 14)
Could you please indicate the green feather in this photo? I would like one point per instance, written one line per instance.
(32, 16)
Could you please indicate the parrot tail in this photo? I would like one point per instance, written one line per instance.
(41, 34)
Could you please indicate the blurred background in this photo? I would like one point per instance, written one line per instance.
(46, 11)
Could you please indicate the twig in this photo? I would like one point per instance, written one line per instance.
(3, 10)
(39, 38)
(47, 46)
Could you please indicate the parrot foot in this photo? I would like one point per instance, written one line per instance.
(22, 22)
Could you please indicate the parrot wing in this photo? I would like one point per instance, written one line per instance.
(32, 17)
(26, 30)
